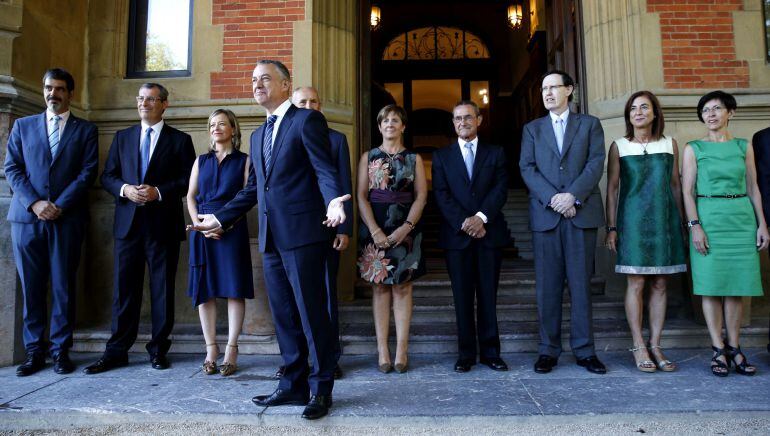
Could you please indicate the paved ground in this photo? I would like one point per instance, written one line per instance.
(429, 399)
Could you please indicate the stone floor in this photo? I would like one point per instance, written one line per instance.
(430, 392)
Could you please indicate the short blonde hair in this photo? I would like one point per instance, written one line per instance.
(236, 139)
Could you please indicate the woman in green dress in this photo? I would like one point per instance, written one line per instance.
(727, 227)
(644, 216)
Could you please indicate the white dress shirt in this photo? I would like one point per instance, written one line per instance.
(156, 129)
(62, 122)
(464, 150)
(279, 112)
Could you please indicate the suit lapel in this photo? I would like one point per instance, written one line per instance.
(547, 132)
(457, 161)
(286, 122)
(481, 155)
(71, 124)
(256, 149)
(43, 137)
(161, 149)
(573, 122)
(131, 148)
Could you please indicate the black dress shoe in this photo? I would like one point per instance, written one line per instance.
(464, 365)
(592, 364)
(337, 372)
(280, 372)
(495, 363)
(105, 364)
(159, 362)
(62, 363)
(318, 407)
(34, 363)
(280, 398)
(545, 364)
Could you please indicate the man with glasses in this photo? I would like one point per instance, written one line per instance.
(562, 160)
(471, 185)
(147, 171)
(51, 161)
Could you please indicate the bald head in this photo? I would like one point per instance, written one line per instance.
(306, 97)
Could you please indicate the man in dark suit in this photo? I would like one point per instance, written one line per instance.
(562, 160)
(147, 171)
(471, 185)
(51, 161)
(296, 186)
(307, 97)
(761, 145)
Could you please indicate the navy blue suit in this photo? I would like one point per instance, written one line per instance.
(49, 248)
(340, 155)
(146, 234)
(473, 264)
(761, 145)
(292, 196)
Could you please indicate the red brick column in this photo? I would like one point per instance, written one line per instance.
(253, 30)
(699, 44)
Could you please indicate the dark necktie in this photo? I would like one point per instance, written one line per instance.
(267, 141)
(144, 152)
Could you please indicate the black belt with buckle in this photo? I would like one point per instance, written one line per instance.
(723, 196)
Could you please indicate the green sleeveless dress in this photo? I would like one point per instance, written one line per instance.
(650, 239)
(731, 267)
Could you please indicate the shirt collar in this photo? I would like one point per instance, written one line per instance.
(280, 111)
(564, 115)
(49, 115)
(474, 141)
(155, 127)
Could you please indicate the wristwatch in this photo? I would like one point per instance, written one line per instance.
(691, 224)
(611, 229)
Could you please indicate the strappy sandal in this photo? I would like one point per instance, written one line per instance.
(744, 368)
(209, 367)
(644, 365)
(719, 368)
(227, 368)
(664, 365)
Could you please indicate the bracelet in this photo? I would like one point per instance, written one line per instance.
(611, 229)
(379, 230)
(409, 223)
(691, 224)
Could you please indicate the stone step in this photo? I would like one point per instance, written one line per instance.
(436, 310)
(515, 337)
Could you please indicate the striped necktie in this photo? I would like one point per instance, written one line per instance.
(53, 137)
(267, 141)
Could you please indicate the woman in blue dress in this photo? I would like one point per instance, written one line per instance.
(220, 262)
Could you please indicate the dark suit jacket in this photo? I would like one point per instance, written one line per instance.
(340, 155)
(576, 170)
(761, 145)
(169, 171)
(459, 198)
(300, 183)
(34, 174)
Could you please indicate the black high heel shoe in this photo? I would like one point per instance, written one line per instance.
(743, 368)
(719, 368)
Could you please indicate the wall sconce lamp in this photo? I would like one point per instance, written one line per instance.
(484, 94)
(375, 17)
(515, 16)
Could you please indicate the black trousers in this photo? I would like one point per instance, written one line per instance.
(131, 254)
(475, 273)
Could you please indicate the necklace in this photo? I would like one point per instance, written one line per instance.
(644, 144)
(391, 157)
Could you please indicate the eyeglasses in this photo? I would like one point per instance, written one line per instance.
(713, 109)
(466, 118)
(547, 89)
(151, 100)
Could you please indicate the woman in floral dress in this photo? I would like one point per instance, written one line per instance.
(392, 191)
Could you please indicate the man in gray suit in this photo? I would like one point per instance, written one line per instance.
(562, 159)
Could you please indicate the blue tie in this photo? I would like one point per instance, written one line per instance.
(267, 141)
(144, 151)
(560, 133)
(53, 138)
(468, 158)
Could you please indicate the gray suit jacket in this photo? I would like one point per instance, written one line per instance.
(576, 170)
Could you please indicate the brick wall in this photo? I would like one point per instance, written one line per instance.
(253, 30)
(699, 44)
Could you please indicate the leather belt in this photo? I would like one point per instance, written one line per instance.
(723, 196)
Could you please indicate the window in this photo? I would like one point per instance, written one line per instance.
(159, 38)
(767, 30)
(434, 43)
